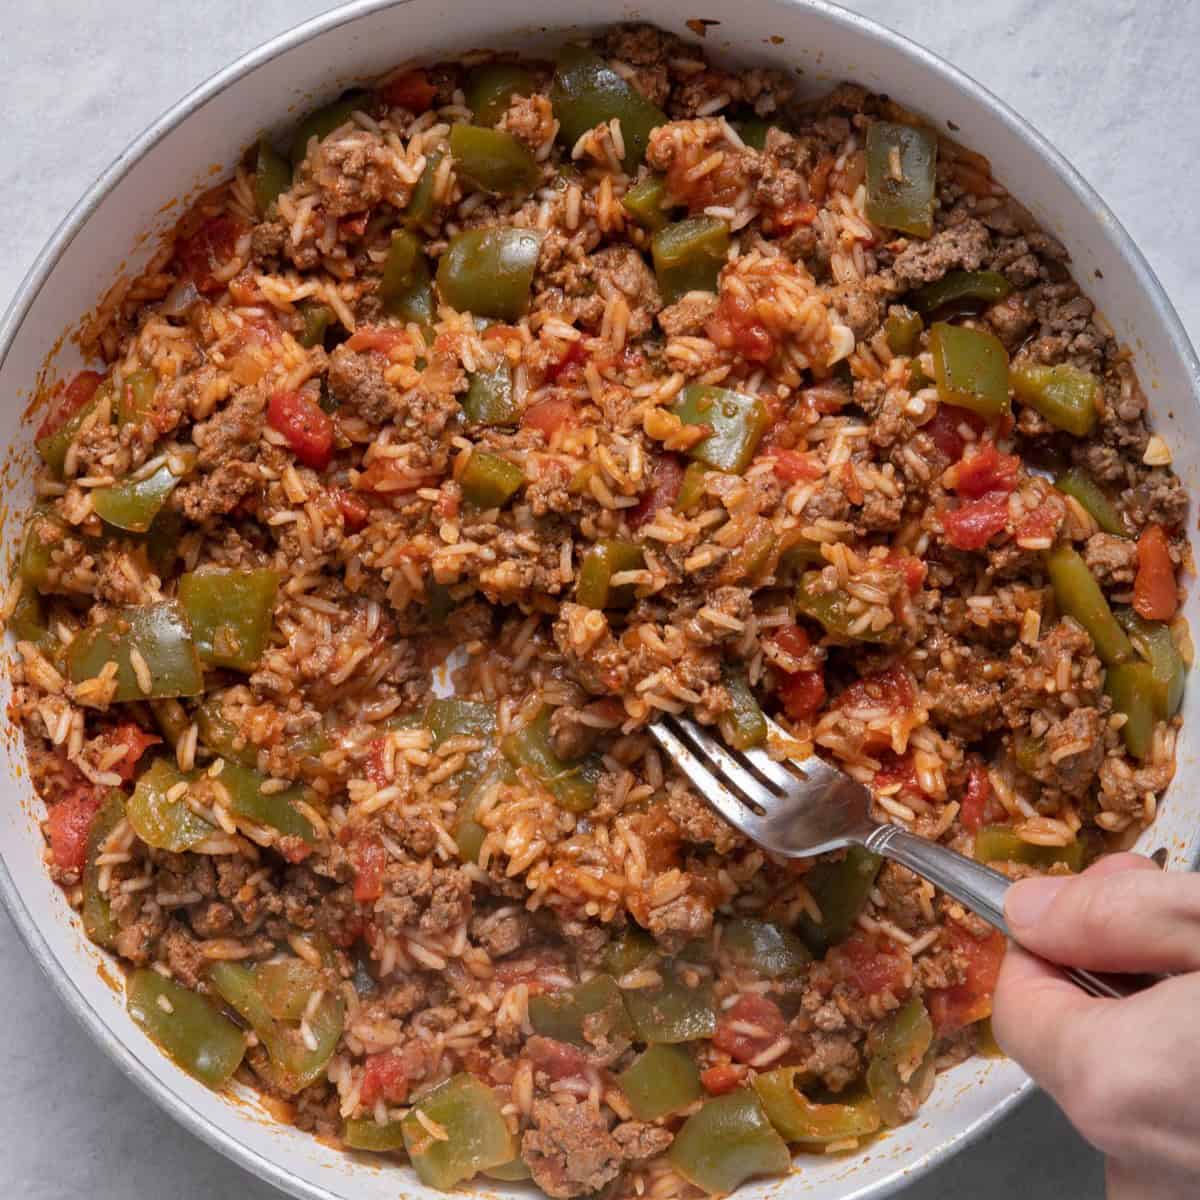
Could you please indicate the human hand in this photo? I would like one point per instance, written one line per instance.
(1126, 1072)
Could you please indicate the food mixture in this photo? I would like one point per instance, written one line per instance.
(609, 386)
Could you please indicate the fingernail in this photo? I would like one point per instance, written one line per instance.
(1028, 899)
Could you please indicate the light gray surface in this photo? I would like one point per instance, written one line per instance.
(1113, 85)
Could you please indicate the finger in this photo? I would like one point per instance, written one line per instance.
(1035, 1015)
(1123, 917)
(1118, 864)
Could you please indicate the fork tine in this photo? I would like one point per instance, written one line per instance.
(739, 815)
(723, 763)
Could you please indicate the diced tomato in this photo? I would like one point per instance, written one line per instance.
(970, 1001)
(68, 825)
(945, 425)
(307, 427)
(540, 969)
(802, 694)
(1155, 595)
(798, 212)
(389, 476)
(751, 1026)
(375, 767)
(354, 509)
(412, 90)
(716, 1081)
(560, 1060)
(978, 804)
(76, 395)
(871, 964)
(986, 471)
(386, 1077)
(791, 466)
(897, 769)
(370, 859)
(974, 523)
(370, 337)
(574, 355)
(136, 742)
(665, 480)
(792, 640)
(549, 415)
(891, 688)
(736, 326)
(207, 250)
(913, 569)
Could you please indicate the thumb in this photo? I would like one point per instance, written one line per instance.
(1122, 915)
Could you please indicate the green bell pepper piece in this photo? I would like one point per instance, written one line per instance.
(272, 176)
(230, 614)
(489, 399)
(901, 177)
(406, 288)
(996, 843)
(420, 204)
(28, 620)
(833, 611)
(489, 481)
(840, 889)
(162, 540)
(903, 329)
(162, 822)
(586, 91)
(98, 921)
(765, 948)
(743, 725)
(185, 1026)
(799, 1119)
(136, 400)
(276, 810)
(647, 202)
(161, 635)
(900, 1060)
(627, 951)
(447, 718)
(603, 560)
(367, 1134)
(172, 720)
(661, 1080)
(516, 1171)
(1154, 642)
(489, 272)
(1131, 687)
(468, 832)
(285, 985)
(727, 1142)
(478, 1137)
(317, 318)
(490, 87)
(1078, 484)
(971, 368)
(45, 530)
(1028, 751)
(691, 490)
(955, 287)
(672, 1012)
(753, 131)
(221, 736)
(572, 784)
(53, 448)
(688, 256)
(321, 122)
(1079, 596)
(593, 1006)
(134, 502)
(737, 421)
(291, 1065)
(1069, 398)
(493, 161)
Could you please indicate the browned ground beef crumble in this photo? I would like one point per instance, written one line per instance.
(436, 898)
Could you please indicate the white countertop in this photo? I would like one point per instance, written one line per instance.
(1111, 82)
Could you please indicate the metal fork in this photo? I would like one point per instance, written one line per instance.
(798, 808)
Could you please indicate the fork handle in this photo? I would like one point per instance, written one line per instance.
(982, 890)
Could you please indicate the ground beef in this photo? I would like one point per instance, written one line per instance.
(680, 921)
(1010, 320)
(960, 247)
(503, 931)
(1159, 499)
(697, 821)
(568, 1148)
(640, 1140)
(1113, 560)
(1074, 749)
(357, 382)
(434, 900)
(530, 119)
(687, 317)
